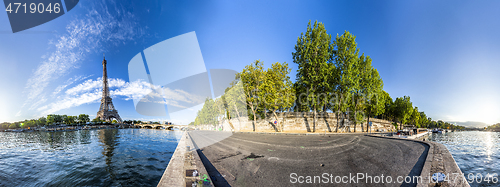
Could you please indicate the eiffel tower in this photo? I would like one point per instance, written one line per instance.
(107, 111)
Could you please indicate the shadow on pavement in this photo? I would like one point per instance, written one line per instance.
(216, 177)
(214, 174)
(417, 168)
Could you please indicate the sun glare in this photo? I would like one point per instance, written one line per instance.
(488, 144)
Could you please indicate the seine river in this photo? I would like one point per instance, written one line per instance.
(106, 157)
(477, 153)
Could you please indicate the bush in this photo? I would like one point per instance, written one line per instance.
(13, 126)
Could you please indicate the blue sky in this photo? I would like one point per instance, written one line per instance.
(443, 54)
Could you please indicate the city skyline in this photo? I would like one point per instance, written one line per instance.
(441, 54)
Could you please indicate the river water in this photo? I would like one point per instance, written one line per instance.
(105, 157)
(477, 153)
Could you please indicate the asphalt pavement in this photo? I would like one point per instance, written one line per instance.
(251, 159)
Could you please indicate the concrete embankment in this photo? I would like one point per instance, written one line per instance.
(438, 160)
(185, 167)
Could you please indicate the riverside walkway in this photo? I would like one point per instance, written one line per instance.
(251, 159)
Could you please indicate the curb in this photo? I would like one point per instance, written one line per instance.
(184, 162)
(310, 134)
(430, 163)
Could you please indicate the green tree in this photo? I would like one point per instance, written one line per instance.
(423, 120)
(313, 51)
(42, 121)
(13, 126)
(403, 109)
(375, 105)
(252, 77)
(29, 123)
(388, 106)
(220, 110)
(208, 113)
(114, 121)
(370, 89)
(415, 117)
(83, 118)
(4, 125)
(51, 119)
(68, 119)
(235, 98)
(63, 118)
(347, 73)
(279, 90)
(96, 120)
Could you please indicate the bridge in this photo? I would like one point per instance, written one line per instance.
(160, 126)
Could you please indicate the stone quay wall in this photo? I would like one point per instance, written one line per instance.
(303, 122)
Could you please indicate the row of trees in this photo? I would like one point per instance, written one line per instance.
(332, 76)
(254, 93)
(442, 125)
(51, 119)
(55, 119)
(494, 127)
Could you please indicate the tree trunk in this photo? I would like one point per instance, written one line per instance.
(282, 123)
(368, 121)
(355, 120)
(265, 110)
(355, 123)
(314, 119)
(237, 112)
(368, 124)
(229, 119)
(343, 119)
(277, 124)
(254, 118)
(337, 116)
(362, 128)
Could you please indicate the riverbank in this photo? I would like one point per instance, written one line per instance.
(477, 153)
(70, 128)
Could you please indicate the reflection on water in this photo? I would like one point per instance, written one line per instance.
(107, 157)
(474, 151)
(109, 141)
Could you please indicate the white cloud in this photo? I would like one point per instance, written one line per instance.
(90, 91)
(88, 85)
(41, 101)
(130, 90)
(69, 82)
(100, 26)
(172, 97)
(69, 102)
